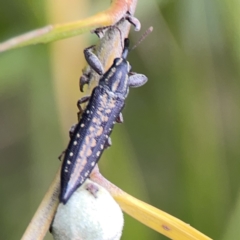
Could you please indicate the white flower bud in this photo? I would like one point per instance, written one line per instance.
(90, 214)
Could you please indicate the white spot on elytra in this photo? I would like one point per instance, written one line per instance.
(68, 162)
(82, 125)
(93, 163)
(101, 146)
(75, 142)
(98, 153)
(78, 135)
(71, 154)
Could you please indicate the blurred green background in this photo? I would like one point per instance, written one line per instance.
(179, 146)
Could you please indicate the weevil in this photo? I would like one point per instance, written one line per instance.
(92, 134)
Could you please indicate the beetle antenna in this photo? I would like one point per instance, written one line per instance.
(145, 34)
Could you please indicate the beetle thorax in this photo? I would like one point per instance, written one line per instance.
(116, 78)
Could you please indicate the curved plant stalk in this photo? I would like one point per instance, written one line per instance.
(55, 32)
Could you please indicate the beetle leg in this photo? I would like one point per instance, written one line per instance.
(72, 130)
(84, 79)
(119, 119)
(79, 102)
(137, 80)
(134, 21)
(60, 157)
(93, 60)
(108, 143)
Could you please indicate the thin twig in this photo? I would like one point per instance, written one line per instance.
(55, 32)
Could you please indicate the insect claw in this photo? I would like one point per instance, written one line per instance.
(81, 101)
(134, 21)
(84, 79)
(61, 155)
(119, 119)
(108, 143)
